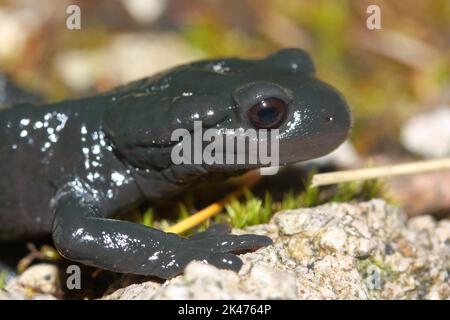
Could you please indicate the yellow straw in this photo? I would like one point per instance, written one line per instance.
(250, 180)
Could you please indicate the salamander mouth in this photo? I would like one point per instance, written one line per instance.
(314, 147)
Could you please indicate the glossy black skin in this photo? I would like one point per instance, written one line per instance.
(68, 166)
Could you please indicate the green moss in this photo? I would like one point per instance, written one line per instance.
(289, 201)
(3, 277)
(183, 211)
(361, 191)
(148, 217)
(309, 198)
(250, 211)
(253, 210)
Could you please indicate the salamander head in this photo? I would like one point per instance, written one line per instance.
(220, 97)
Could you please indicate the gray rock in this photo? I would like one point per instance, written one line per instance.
(428, 134)
(366, 250)
(336, 251)
(38, 282)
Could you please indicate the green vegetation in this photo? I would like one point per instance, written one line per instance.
(148, 218)
(3, 277)
(309, 198)
(251, 209)
(361, 191)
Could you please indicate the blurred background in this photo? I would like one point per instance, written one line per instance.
(396, 79)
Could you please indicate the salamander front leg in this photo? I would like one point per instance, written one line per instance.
(80, 233)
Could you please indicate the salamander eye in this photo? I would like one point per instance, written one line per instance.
(268, 113)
